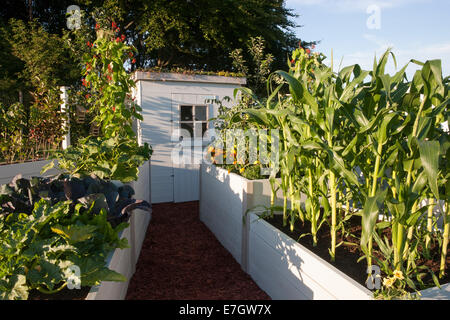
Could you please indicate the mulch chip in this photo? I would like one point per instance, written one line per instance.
(182, 260)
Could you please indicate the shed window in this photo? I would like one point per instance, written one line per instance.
(194, 119)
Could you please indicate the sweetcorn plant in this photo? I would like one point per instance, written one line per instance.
(365, 143)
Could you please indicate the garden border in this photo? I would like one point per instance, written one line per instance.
(27, 169)
(298, 273)
(123, 260)
(224, 195)
(224, 200)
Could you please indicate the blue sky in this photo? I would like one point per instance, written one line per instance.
(356, 30)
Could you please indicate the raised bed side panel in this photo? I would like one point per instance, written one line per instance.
(141, 218)
(221, 206)
(435, 293)
(142, 185)
(259, 193)
(286, 270)
(27, 169)
(141, 221)
(121, 260)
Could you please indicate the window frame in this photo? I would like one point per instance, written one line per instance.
(194, 121)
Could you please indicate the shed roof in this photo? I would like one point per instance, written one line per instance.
(180, 77)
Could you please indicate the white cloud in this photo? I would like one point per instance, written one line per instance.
(402, 55)
(352, 5)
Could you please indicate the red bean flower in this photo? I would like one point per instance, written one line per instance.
(122, 37)
(308, 51)
(113, 25)
(133, 61)
(97, 26)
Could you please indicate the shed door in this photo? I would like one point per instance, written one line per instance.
(190, 114)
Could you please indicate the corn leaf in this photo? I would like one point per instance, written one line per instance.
(429, 154)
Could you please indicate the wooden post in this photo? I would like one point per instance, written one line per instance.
(66, 124)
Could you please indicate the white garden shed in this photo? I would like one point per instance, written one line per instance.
(170, 102)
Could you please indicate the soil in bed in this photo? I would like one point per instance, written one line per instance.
(65, 294)
(347, 255)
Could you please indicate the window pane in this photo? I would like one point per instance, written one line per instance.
(186, 113)
(200, 129)
(200, 113)
(189, 127)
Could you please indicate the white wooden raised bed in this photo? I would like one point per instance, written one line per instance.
(286, 270)
(282, 267)
(123, 260)
(26, 169)
(224, 200)
(120, 260)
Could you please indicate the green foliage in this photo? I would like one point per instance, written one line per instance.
(31, 133)
(41, 63)
(45, 56)
(199, 34)
(110, 85)
(115, 155)
(115, 158)
(258, 69)
(366, 143)
(49, 225)
(38, 250)
(89, 192)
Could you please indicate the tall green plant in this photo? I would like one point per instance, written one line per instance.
(371, 143)
(116, 153)
(110, 85)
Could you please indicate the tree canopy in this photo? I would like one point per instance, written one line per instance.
(190, 34)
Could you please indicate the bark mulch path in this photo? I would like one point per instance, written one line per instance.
(182, 260)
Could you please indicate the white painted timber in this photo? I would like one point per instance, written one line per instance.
(159, 95)
(179, 77)
(224, 200)
(26, 169)
(285, 269)
(141, 221)
(435, 293)
(123, 260)
(142, 186)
